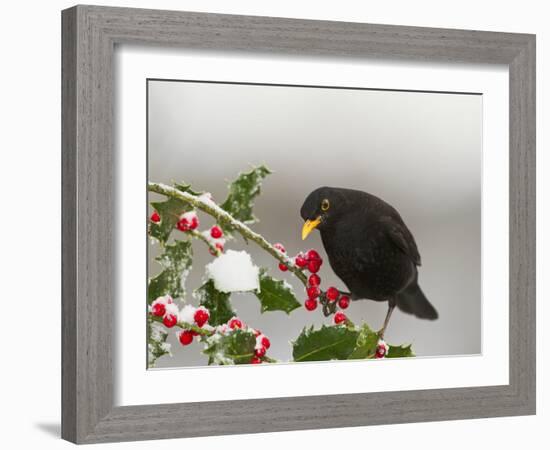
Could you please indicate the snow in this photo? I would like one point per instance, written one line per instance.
(234, 271)
(171, 308)
(210, 239)
(187, 314)
(259, 343)
(207, 199)
(165, 299)
(157, 332)
(183, 278)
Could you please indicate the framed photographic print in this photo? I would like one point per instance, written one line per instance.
(322, 224)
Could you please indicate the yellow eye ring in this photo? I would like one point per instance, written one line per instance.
(325, 205)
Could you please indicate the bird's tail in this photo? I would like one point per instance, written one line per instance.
(413, 301)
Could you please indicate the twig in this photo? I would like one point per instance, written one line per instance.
(211, 208)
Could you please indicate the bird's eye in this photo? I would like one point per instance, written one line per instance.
(325, 205)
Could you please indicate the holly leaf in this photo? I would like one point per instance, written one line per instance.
(185, 187)
(156, 342)
(366, 344)
(242, 192)
(333, 342)
(216, 302)
(236, 347)
(276, 295)
(400, 351)
(169, 212)
(176, 261)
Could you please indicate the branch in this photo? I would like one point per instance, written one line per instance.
(208, 206)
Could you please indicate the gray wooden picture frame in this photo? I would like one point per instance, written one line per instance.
(90, 34)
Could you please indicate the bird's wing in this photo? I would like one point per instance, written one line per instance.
(400, 235)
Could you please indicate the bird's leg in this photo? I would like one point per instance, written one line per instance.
(391, 306)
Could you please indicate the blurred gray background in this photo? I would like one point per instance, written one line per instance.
(421, 152)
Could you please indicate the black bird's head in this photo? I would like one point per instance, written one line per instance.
(323, 208)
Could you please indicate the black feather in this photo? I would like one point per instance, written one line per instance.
(369, 248)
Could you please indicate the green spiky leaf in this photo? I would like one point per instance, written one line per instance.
(365, 346)
(400, 351)
(185, 187)
(327, 343)
(236, 347)
(242, 192)
(169, 212)
(276, 295)
(216, 302)
(176, 260)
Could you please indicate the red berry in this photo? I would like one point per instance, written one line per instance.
(266, 342)
(201, 316)
(339, 317)
(313, 292)
(169, 320)
(312, 255)
(314, 280)
(280, 247)
(255, 360)
(343, 302)
(260, 352)
(314, 265)
(186, 337)
(310, 304)
(183, 224)
(219, 246)
(257, 333)
(216, 232)
(158, 309)
(380, 351)
(235, 323)
(194, 222)
(282, 267)
(155, 217)
(300, 261)
(333, 294)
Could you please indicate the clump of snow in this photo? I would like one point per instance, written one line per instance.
(234, 271)
(171, 308)
(165, 299)
(187, 314)
(166, 347)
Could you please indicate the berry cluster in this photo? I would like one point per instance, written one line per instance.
(262, 341)
(171, 316)
(189, 221)
(312, 262)
(215, 237)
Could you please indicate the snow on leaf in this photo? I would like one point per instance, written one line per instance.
(169, 212)
(242, 192)
(327, 343)
(176, 261)
(233, 271)
(276, 295)
(216, 302)
(156, 342)
(236, 347)
(400, 351)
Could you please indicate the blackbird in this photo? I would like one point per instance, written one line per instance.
(369, 248)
